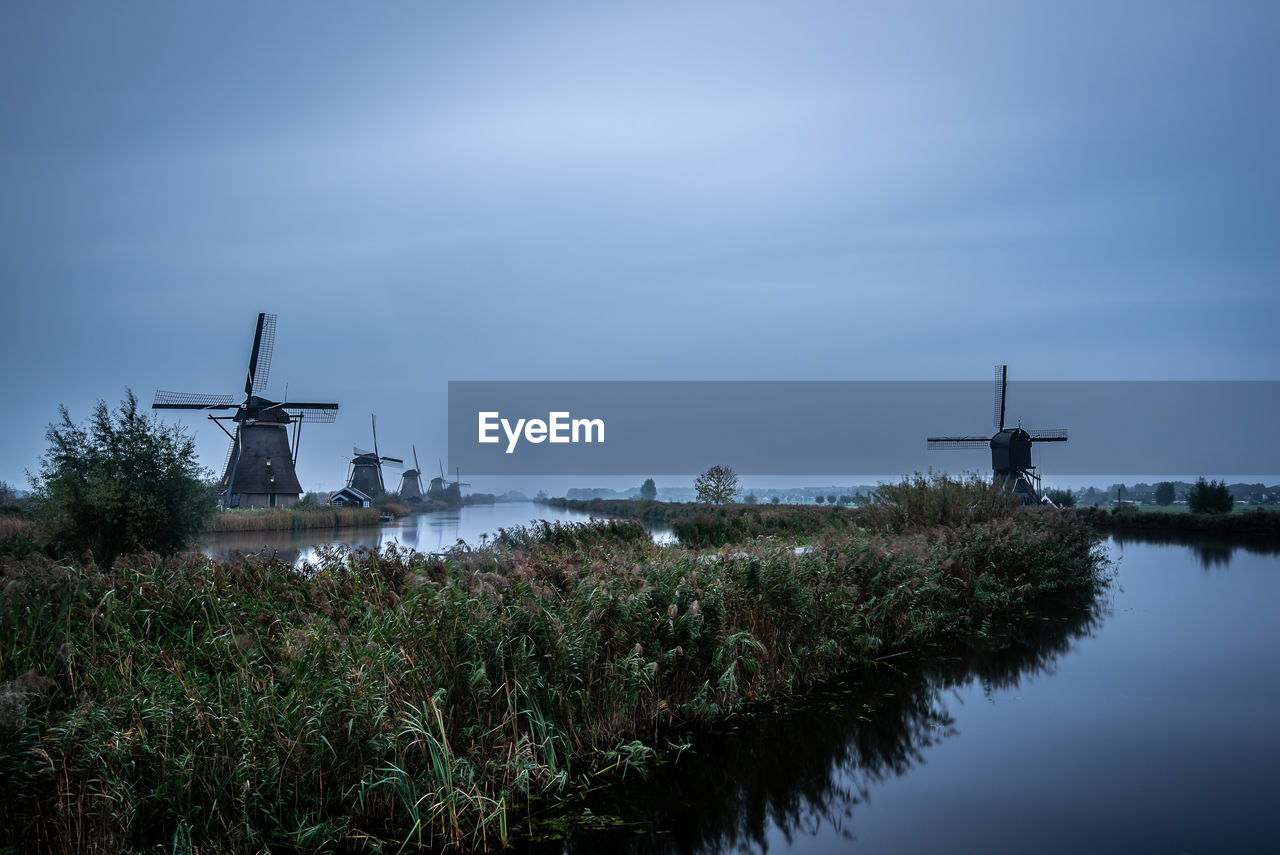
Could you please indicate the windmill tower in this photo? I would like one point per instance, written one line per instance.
(411, 481)
(1010, 447)
(260, 467)
(365, 472)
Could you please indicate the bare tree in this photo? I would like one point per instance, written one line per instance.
(717, 485)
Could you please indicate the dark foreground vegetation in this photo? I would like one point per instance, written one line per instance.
(378, 699)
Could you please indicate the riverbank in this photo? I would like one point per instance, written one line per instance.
(388, 698)
(915, 502)
(713, 525)
(1258, 524)
(288, 519)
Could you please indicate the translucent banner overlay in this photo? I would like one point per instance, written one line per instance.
(1220, 428)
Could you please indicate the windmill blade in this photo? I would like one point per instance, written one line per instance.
(393, 462)
(958, 442)
(360, 452)
(374, 421)
(1002, 382)
(441, 464)
(313, 413)
(415, 460)
(190, 401)
(226, 463)
(264, 343)
(237, 446)
(1059, 435)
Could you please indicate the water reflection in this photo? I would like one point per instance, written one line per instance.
(1212, 553)
(803, 772)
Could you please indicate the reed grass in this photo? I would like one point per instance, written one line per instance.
(385, 698)
(18, 536)
(286, 519)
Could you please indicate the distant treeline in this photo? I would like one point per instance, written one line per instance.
(1175, 491)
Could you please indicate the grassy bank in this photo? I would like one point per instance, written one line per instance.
(288, 519)
(919, 501)
(190, 704)
(1257, 523)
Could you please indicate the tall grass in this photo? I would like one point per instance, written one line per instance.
(384, 697)
(18, 536)
(286, 519)
(937, 500)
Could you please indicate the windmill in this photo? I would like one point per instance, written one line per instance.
(365, 472)
(438, 485)
(443, 491)
(1010, 447)
(260, 466)
(411, 481)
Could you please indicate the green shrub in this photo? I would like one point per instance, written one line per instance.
(121, 483)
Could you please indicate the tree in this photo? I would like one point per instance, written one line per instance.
(1210, 497)
(820, 499)
(122, 483)
(1062, 498)
(749, 499)
(777, 500)
(717, 485)
(648, 490)
(1164, 493)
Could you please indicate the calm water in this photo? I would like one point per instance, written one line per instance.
(1148, 721)
(433, 532)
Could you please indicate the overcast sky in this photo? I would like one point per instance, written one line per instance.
(428, 192)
